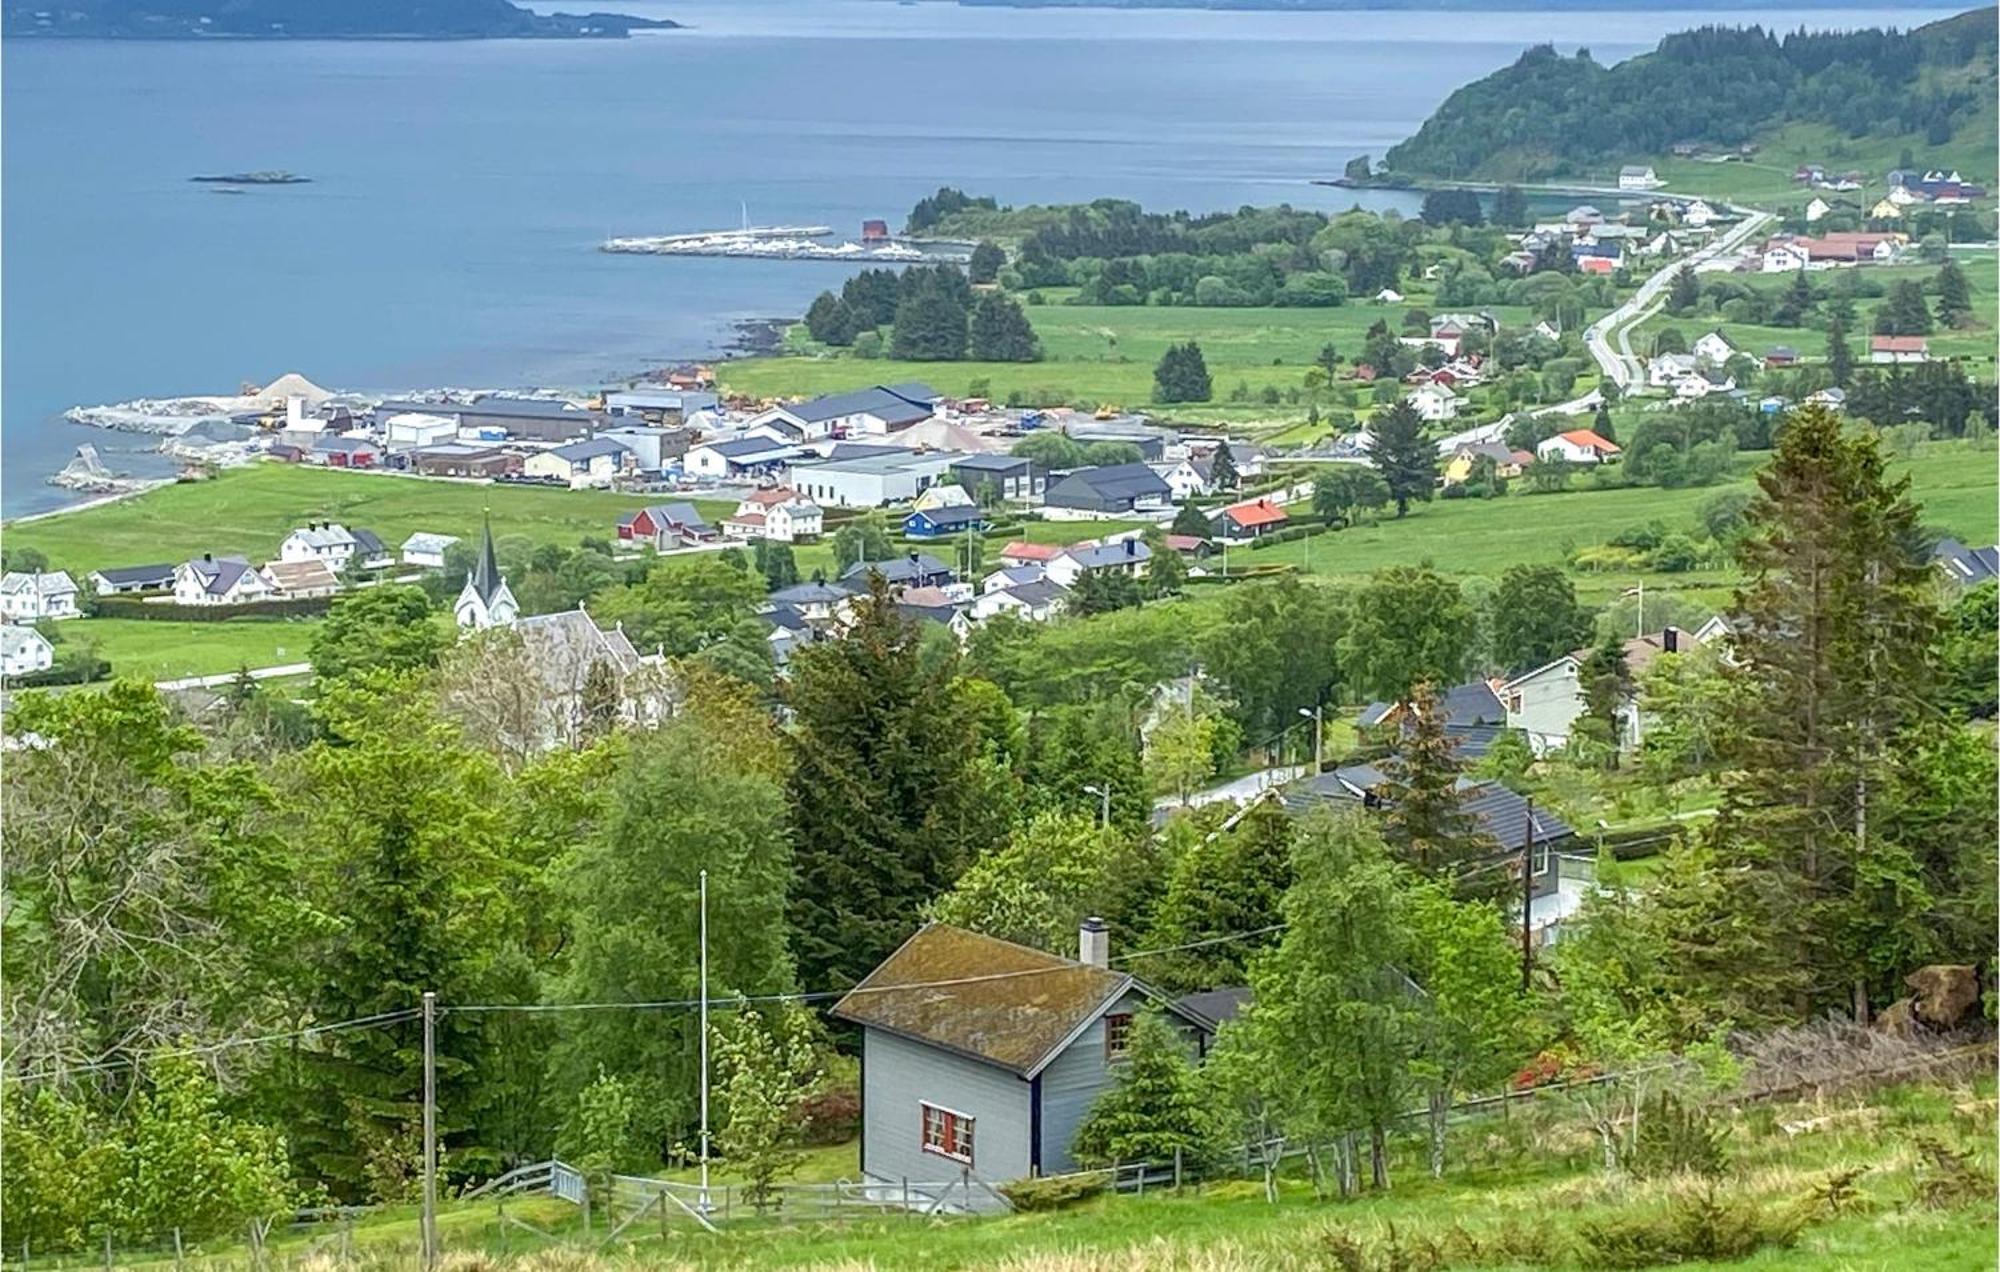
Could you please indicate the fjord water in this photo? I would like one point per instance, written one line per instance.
(459, 189)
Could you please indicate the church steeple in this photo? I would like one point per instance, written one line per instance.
(486, 600)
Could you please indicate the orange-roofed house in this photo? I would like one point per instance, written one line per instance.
(1898, 349)
(1022, 552)
(1249, 520)
(1578, 446)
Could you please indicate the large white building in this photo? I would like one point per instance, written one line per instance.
(780, 514)
(28, 597)
(213, 580)
(873, 481)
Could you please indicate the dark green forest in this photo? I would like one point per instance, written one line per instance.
(1553, 116)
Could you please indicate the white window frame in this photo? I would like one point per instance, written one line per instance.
(951, 1122)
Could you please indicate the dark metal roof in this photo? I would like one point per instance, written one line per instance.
(137, 574)
(902, 569)
(1217, 1006)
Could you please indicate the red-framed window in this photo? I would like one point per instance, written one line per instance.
(1117, 1035)
(946, 1133)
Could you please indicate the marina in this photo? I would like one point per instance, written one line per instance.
(790, 243)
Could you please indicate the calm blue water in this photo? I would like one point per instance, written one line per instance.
(459, 189)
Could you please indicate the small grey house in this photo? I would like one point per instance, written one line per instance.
(983, 1056)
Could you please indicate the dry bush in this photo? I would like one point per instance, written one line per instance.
(1832, 1054)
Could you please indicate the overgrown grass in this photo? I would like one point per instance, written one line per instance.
(1519, 1194)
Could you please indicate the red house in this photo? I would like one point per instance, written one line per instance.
(346, 452)
(874, 231)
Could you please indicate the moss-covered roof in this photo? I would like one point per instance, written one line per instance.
(979, 996)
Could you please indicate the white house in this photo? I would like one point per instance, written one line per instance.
(1833, 398)
(427, 550)
(321, 541)
(1124, 556)
(1578, 446)
(1638, 177)
(1891, 349)
(1782, 258)
(1697, 214)
(1665, 369)
(1713, 349)
(1035, 601)
(24, 651)
(1435, 402)
(878, 409)
(213, 580)
(30, 597)
(780, 514)
(1816, 209)
(1184, 479)
(1699, 384)
(595, 461)
(1388, 296)
(948, 494)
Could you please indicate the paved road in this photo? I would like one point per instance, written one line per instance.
(1609, 339)
(216, 682)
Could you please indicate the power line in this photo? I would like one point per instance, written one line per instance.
(214, 1048)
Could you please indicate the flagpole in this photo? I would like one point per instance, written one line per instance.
(704, 1041)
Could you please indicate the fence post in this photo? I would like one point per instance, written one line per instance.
(1177, 1167)
(178, 1254)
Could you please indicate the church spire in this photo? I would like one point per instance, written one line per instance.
(486, 573)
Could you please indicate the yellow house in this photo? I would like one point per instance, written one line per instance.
(1885, 210)
(1506, 463)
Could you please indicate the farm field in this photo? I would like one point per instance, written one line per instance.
(248, 511)
(1106, 354)
(1974, 346)
(1482, 537)
(1765, 178)
(174, 650)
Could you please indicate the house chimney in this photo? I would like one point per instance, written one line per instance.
(1670, 639)
(1093, 943)
(208, 556)
(1129, 549)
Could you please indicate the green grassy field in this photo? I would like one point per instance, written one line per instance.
(171, 651)
(250, 510)
(1765, 178)
(1106, 354)
(1521, 1188)
(1482, 537)
(1974, 345)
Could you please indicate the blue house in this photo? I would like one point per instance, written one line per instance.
(980, 1058)
(939, 523)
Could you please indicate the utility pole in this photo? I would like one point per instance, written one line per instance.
(430, 1236)
(1528, 899)
(704, 1042)
(1103, 794)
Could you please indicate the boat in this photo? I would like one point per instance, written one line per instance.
(253, 178)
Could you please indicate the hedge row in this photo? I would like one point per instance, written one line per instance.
(133, 607)
(1292, 535)
(60, 674)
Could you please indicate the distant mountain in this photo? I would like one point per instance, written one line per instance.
(307, 20)
(1553, 116)
(1511, 6)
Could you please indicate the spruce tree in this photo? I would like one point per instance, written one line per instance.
(889, 801)
(1836, 632)
(1684, 292)
(1223, 470)
(1156, 1109)
(1407, 460)
(1839, 354)
(1954, 300)
(1182, 375)
(1426, 822)
(1190, 520)
(1601, 423)
(1000, 331)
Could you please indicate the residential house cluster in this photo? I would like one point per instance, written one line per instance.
(28, 597)
(312, 561)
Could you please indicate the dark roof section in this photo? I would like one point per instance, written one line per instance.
(1502, 815)
(1114, 486)
(1010, 1006)
(914, 568)
(1967, 565)
(366, 543)
(1217, 1006)
(125, 575)
(1472, 703)
(811, 592)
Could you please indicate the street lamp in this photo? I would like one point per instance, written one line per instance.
(1103, 794)
(1318, 716)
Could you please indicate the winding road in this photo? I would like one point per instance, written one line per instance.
(1609, 339)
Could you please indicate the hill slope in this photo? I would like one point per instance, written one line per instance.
(1553, 116)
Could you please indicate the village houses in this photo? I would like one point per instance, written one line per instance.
(31, 596)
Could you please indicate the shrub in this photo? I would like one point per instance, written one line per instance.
(1704, 1225)
(1674, 1137)
(1053, 1192)
(1948, 1178)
